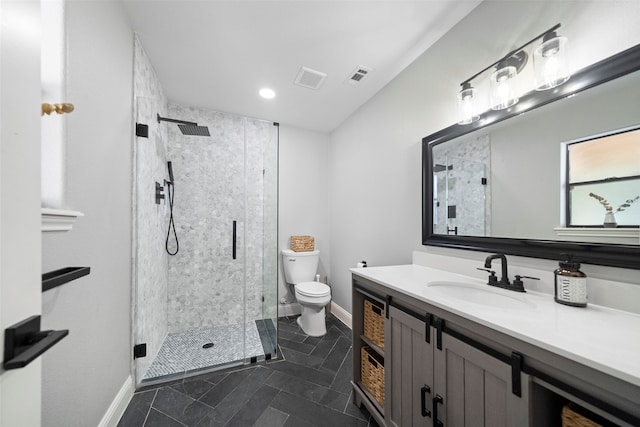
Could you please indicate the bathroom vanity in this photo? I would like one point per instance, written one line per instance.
(457, 352)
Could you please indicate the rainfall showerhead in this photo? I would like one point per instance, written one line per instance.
(194, 130)
(187, 128)
(439, 168)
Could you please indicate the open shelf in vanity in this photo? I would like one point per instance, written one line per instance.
(362, 394)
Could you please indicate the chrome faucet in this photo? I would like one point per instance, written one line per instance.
(504, 282)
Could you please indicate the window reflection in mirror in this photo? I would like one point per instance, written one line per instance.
(604, 180)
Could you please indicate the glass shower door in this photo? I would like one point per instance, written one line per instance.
(465, 183)
(207, 298)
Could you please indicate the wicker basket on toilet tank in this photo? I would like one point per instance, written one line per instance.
(302, 243)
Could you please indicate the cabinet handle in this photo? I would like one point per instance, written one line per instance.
(436, 399)
(423, 400)
(427, 328)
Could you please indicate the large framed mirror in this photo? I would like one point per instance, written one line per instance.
(503, 183)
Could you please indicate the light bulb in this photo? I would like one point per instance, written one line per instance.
(466, 105)
(502, 92)
(550, 62)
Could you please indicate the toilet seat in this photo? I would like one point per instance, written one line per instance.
(313, 289)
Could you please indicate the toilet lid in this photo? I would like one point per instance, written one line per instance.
(313, 289)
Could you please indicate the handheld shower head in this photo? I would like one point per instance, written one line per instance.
(170, 172)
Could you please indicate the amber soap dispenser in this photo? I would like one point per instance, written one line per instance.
(570, 284)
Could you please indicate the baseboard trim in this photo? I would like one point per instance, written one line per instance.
(343, 315)
(118, 405)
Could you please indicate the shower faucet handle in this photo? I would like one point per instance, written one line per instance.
(159, 193)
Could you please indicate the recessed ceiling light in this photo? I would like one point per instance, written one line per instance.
(267, 93)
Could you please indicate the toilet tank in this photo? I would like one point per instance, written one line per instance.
(299, 266)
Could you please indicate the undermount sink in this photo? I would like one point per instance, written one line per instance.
(488, 296)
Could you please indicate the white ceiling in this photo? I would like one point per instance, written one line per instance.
(218, 54)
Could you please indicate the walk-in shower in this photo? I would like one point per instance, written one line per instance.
(461, 189)
(213, 302)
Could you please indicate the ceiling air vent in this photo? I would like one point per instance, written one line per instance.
(309, 78)
(357, 75)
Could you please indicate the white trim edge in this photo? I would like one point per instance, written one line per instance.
(343, 315)
(58, 219)
(118, 405)
(613, 235)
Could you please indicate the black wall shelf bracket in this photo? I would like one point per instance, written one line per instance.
(24, 342)
(56, 278)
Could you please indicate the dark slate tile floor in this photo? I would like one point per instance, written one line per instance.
(309, 386)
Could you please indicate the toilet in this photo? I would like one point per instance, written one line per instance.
(300, 270)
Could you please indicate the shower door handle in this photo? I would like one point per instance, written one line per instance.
(234, 240)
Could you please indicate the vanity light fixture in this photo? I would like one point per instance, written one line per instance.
(550, 69)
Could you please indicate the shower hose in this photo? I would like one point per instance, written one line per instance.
(172, 225)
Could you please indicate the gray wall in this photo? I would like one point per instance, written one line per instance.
(303, 206)
(83, 373)
(374, 156)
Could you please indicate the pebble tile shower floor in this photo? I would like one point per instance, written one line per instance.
(183, 351)
(310, 387)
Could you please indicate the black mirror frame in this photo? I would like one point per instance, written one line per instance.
(614, 255)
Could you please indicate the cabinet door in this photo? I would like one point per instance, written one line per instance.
(408, 368)
(476, 388)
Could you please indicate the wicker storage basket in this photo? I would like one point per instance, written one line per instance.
(372, 373)
(374, 323)
(302, 243)
(572, 417)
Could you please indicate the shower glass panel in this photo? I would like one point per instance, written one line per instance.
(213, 304)
(268, 323)
(460, 197)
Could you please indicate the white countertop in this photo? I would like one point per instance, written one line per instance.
(602, 338)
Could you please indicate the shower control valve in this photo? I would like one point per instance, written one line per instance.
(159, 193)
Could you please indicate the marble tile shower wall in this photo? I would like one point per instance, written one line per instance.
(150, 219)
(218, 179)
(469, 160)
